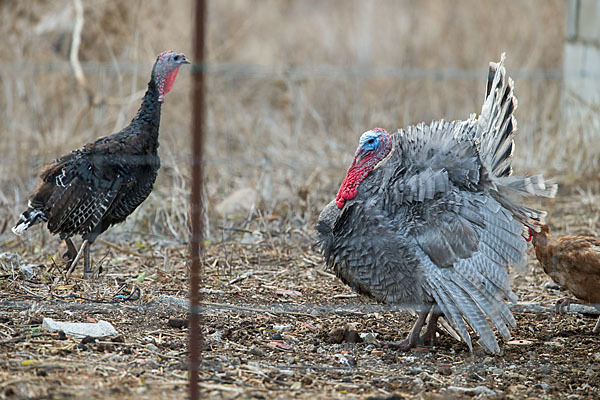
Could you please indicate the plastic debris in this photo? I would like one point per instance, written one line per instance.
(80, 329)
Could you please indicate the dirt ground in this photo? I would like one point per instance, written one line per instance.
(276, 325)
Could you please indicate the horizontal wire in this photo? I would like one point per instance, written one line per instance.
(303, 71)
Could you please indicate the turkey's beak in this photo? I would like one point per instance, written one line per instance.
(359, 156)
(185, 60)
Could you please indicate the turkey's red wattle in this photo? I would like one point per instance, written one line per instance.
(165, 83)
(170, 80)
(355, 175)
(361, 167)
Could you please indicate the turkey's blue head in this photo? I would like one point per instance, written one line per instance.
(165, 71)
(374, 146)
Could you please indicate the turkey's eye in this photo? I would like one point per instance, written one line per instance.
(176, 58)
(371, 141)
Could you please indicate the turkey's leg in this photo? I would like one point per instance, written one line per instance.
(87, 267)
(429, 335)
(71, 252)
(413, 338)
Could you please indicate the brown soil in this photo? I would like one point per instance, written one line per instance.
(275, 326)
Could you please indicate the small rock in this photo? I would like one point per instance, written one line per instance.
(351, 361)
(256, 351)
(345, 360)
(28, 271)
(151, 347)
(306, 380)
(81, 346)
(444, 370)
(369, 337)
(276, 336)
(351, 336)
(282, 328)
(542, 386)
(178, 322)
(336, 336)
(61, 335)
(476, 391)
(417, 381)
(118, 339)
(88, 340)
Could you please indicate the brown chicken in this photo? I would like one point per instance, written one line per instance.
(571, 261)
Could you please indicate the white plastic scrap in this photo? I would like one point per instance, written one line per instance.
(80, 329)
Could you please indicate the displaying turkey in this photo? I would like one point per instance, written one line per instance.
(90, 189)
(430, 217)
(571, 261)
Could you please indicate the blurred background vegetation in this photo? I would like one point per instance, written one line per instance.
(291, 85)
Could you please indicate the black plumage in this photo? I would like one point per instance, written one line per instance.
(99, 185)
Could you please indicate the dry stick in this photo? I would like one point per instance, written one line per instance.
(258, 310)
(79, 253)
(74, 55)
(126, 251)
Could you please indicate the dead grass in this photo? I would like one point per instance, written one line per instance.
(287, 132)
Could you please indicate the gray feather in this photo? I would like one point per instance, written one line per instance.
(439, 222)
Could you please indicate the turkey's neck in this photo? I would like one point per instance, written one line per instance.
(148, 115)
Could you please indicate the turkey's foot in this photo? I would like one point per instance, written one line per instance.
(430, 334)
(563, 305)
(413, 340)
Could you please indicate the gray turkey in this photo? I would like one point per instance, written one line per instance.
(96, 186)
(431, 217)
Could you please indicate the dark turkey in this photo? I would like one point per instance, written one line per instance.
(90, 189)
(431, 217)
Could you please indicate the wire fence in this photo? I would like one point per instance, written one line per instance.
(301, 71)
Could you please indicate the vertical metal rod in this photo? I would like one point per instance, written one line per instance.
(196, 240)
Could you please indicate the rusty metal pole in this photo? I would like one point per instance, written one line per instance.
(196, 239)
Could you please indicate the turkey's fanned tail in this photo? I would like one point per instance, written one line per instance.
(496, 127)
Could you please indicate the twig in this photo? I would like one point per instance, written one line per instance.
(126, 251)
(22, 337)
(259, 310)
(74, 55)
(77, 257)
(324, 273)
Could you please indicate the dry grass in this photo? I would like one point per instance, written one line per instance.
(287, 132)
